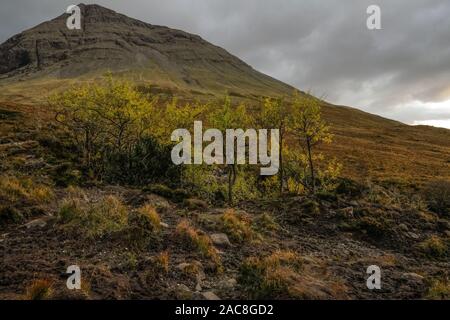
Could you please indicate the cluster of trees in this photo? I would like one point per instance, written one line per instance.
(123, 135)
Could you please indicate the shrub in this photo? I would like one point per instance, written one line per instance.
(94, 219)
(310, 207)
(349, 188)
(236, 226)
(40, 289)
(437, 194)
(10, 215)
(198, 241)
(374, 227)
(147, 162)
(434, 247)
(266, 222)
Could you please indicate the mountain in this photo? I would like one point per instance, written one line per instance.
(147, 53)
(50, 57)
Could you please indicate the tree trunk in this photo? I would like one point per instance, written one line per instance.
(311, 167)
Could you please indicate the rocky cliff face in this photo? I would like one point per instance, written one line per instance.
(112, 41)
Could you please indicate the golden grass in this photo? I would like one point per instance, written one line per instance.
(152, 218)
(236, 226)
(200, 242)
(14, 189)
(434, 246)
(283, 275)
(40, 289)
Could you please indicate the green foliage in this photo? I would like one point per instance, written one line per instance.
(115, 128)
(309, 130)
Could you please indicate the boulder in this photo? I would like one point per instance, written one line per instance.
(220, 239)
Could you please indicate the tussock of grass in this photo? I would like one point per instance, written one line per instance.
(91, 219)
(198, 241)
(282, 276)
(10, 215)
(162, 261)
(266, 222)
(434, 247)
(40, 289)
(439, 290)
(237, 226)
(150, 218)
(13, 189)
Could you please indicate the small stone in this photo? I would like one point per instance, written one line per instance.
(413, 235)
(228, 283)
(410, 276)
(182, 292)
(220, 239)
(164, 225)
(346, 212)
(209, 295)
(40, 223)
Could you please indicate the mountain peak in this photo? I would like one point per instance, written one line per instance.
(110, 41)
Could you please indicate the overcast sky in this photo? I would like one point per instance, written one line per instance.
(401, 72)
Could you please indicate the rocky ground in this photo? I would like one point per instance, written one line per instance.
(307, 248)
